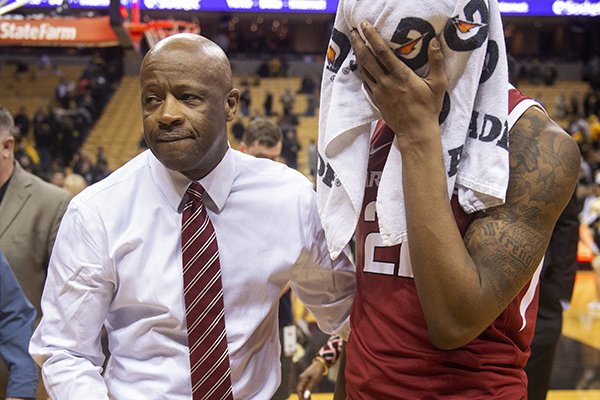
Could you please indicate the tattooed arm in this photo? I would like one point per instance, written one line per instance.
(463, 285)
(507, 243)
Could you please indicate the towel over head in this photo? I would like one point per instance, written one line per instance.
(473, 124)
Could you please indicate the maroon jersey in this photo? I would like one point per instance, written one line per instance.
(389, 355)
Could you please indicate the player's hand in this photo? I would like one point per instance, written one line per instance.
(409, 104)
(308, 379)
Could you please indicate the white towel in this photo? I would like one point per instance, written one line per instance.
(473, 119)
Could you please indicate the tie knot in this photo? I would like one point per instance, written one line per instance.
(195, 191)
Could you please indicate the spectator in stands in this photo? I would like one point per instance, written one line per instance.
(22, 121)
(64, 90)
(74, 183)
(268, 103)
(291, 147)
(574, 104)
(262, 139)
(30, 213)
(288, 99)
(591, 72)
(560, 107)
(238, 129)
(57, 178)
(84, 167)
(308, 85)
(549, 73)
(245, 100)
(312, 157)
(100, 170)
(42, 136)
(311, 104)
(591, 103)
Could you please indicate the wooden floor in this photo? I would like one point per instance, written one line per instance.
(576, 370)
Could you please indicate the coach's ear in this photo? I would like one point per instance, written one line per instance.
(231, 103)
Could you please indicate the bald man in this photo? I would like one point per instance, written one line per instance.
(244, 227)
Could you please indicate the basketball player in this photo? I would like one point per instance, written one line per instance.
(461, 326)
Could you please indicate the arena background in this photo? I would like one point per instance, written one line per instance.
(70, 69)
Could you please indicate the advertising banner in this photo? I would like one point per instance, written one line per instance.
(57, 32)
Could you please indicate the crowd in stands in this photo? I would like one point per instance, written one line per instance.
(49, 141)
(287, 121)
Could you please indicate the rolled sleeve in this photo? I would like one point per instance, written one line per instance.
(325, 286)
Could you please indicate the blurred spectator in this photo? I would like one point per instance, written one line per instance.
(312, 157)
(548, 73)
(100, 171)
(268, 103)
(22, 121)
(594, 128)
(245, 100)
(275, 67)
(238, 129)
(591, 103)
(287, 98)
(560, 108)
(308, 85)
(591, 72)
(291, 147)
(45, 63)
(63, 91)
(311, 105)
(83, 167)
(58, 178)
(574, 104)
(74, 183)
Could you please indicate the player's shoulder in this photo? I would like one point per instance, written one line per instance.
(543, 158)
(534, 132)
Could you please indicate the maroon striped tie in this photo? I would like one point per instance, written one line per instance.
(203, 293)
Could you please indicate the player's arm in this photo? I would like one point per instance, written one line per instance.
(464, 285)
(507, 243)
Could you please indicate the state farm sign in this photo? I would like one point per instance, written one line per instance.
(10, 30)
(58, 32)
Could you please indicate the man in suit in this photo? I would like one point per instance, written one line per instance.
(30, 213)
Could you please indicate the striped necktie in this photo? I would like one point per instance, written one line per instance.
(203, 293)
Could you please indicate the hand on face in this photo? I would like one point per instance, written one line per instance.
(409, 104)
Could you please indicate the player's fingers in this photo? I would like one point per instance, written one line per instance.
(383, 53)
(436, 78)
(301, 386)
(369, 68)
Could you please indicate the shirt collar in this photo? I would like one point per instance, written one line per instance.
(217, 183)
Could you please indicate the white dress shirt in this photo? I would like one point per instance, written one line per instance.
(117, 262)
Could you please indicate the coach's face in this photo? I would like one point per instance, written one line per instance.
(187, 100)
